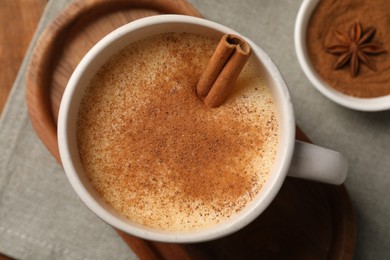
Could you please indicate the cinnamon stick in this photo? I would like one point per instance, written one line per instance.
(223, 69)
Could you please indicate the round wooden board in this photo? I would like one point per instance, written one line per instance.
(307, 220)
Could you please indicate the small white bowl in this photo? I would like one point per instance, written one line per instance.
(362, 104)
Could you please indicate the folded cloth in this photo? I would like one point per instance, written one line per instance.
(42, 218)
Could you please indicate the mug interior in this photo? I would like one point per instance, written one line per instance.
(87, 68)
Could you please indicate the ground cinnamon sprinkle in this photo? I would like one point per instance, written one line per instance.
(331, 16)
(157, 154)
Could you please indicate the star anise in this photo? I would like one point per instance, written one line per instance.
(355, 47)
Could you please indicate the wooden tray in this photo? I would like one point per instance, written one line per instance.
(307, 220)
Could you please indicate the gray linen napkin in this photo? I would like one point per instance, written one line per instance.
(42, 218)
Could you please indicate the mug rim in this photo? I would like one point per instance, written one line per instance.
(272, 186)
(362, 104)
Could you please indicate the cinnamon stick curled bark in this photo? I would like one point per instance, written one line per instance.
(223, 69)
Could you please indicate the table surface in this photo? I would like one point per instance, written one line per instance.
(15, 36)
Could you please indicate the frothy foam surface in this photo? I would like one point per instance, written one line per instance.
(156, 153)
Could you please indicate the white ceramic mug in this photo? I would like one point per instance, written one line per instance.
(293, 157)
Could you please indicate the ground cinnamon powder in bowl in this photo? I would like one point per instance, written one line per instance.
(329, 25)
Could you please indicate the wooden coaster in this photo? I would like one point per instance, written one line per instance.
(307, 220)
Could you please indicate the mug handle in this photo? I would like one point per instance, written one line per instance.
(317, 163)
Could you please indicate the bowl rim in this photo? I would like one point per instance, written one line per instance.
(362, 104)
